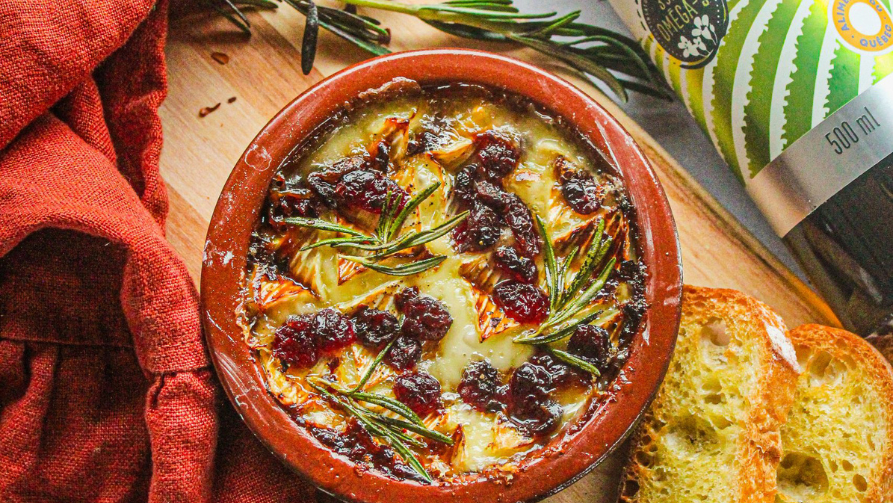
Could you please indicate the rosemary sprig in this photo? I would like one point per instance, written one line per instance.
(387, 240)
(599, 54)
(388, 428)
(565, 299)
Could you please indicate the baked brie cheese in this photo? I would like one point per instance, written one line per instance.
(444, 281)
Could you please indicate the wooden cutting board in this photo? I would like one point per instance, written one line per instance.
(263, 74)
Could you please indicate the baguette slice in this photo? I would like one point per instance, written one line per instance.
(838, 440)
(712, 433)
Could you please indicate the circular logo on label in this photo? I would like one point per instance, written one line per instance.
(863, 25)
(689, 30)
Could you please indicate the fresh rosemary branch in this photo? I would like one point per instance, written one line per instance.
(599, 54)
(387, 240)
(566, 300)
(393, 430)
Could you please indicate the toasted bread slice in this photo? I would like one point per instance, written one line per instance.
(838, 440)
(712, 433)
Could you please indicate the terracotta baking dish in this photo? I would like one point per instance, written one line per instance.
(549, 469)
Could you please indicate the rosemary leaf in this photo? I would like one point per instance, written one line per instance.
(246, 28)
(552, 279)
(566, 263)
(560, 334)
(385, 218)
(390, 404)
(260, 4)
(238, 13)
(323, 225)
(311, 32)
(575, 361)
(407, 269)
(583, 300)
(372, 367)
(404, 437)
(594, 255)
(336, 242)
(422, 237)
(421, 430)
(410, 206)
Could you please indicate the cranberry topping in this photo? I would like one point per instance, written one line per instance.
(404, 354)
(296, 202)
(519, 219)
(581, 191)
(333, 330)
(561, 373)
(497, 153)
(464, 185)
(591, 343)
(540, 418)
(366, 190)
(479, 231)
(424, 317)
(323, 181)
(404, 296)
(510, 262)
(357, 444)
(481, 386)
(419, 391)
(531, 407)
(294, 342)
(380, 156)
(522, 302)
(375, 327)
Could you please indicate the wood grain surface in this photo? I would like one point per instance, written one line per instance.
(263, 74)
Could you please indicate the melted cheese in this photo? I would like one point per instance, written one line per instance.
(488, 439)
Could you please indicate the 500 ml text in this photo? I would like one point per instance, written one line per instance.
(843, 136)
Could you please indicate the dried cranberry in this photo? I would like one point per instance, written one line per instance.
(591, 343)
(521, 268)
(375, 327)
(493, 195)
(581, 191)
(529, 383)
(540, 418)
(519, 219)
(422, 142)
(380, 156)
(424, 317)
(497, 153)
(464, 185)
(294, 203)
(367, 190)
(405, 295)
(419, 391)
(294, 342)
(561, 373)
(404, 354)
(522, 302)
(323, 181)
(480, 386)
(531, 407)
(333, 330)
(479, 231)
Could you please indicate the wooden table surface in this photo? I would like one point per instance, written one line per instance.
(263, 74)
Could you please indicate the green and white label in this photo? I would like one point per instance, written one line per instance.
(780, 68)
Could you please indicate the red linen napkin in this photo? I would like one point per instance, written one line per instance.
(106, 393)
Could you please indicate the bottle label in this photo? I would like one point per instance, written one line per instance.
(758, 75)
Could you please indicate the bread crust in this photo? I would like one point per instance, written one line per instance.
(843, 344)
(758, 451)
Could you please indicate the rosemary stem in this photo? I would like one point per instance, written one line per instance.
(385, 5)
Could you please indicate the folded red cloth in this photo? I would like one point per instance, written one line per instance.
(106, 393)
